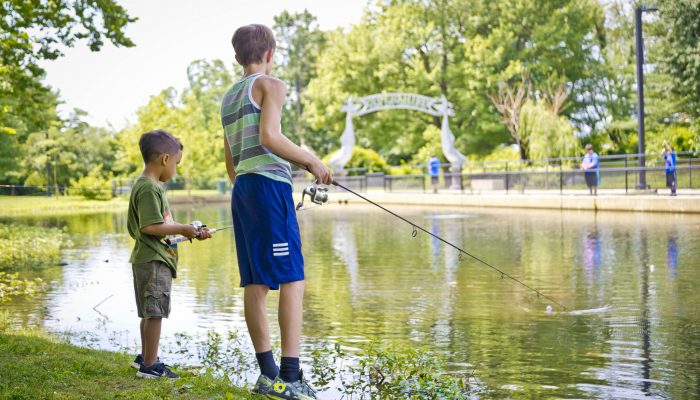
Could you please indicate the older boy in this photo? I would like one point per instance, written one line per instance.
(268, 244)
(154, 263)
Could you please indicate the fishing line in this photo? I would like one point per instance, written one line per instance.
(462, 251)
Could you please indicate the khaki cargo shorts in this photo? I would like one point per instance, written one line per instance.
(152, 283)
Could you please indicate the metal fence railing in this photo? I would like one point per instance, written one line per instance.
(618, 174)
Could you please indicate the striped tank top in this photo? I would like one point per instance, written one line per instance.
(240, 117)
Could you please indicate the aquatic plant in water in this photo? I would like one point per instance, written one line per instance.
(13, 285)
(374, 372)
(24, 247)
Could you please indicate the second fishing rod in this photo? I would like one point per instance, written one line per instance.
(319, 195)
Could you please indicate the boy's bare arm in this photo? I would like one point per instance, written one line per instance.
(162, 229)
(273, 94)
(230, 170)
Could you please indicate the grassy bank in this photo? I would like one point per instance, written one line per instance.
(35, 366)
(41, 206)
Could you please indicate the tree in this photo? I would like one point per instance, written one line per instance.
(680, 50)
(31, 31)
(192, 116)
(509, 102)
(299, 43)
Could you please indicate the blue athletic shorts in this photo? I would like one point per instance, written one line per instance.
(268, 243)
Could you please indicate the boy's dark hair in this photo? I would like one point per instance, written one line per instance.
(155, 143)
(251, 42)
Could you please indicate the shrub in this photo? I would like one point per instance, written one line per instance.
(23, 247)
(363, 158)
(93, 186)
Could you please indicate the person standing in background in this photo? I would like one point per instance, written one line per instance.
(670, 165)
(591, 168)
(434, 171)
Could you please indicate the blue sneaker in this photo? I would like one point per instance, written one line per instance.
(136, 364)
(297, 390)
(157, 370)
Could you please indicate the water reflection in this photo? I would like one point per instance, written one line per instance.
(368, 278)
(343, 242)
(672, 256)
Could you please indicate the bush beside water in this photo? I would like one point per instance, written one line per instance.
(23, 247)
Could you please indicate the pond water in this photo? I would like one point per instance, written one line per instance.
(629, 281)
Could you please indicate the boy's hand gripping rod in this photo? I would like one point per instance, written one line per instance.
(199, 226)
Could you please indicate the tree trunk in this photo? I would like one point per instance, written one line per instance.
(524, 153)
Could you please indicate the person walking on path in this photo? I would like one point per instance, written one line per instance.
(670, 165)
(591, 168)
(434, 171)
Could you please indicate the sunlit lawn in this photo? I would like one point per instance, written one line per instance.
(194, 192)
(18, 206)
(36, 366)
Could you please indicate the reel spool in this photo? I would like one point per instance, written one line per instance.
(317, 194)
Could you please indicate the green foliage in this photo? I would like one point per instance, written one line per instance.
(404, 169)
(93, 186)
(34, 31)
(368, 159)
(13, 285)
(680, 50)
(193, 117)
(680, 137)
(432, 146)
(73, 372)
(548, 135)
(500, 153)
(23, 247)
(386, 373)
(299, 43)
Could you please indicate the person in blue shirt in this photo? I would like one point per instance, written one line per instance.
(670, 165)
(591, 168)
(434, 171)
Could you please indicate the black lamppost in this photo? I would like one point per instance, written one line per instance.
(640, 92)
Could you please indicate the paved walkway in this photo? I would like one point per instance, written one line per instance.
(683, 203)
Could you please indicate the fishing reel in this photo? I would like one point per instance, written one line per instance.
(172, 241)
(317, 194)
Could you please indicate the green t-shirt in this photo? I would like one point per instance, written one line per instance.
(148, 205)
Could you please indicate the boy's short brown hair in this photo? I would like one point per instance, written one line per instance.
(251, 42)
(155, 143)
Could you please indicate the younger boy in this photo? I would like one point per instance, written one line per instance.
(268, 244)
(154, 263)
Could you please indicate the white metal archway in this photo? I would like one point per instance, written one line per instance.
(438, 107)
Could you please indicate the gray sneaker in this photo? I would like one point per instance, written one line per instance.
(262, 385)
(297, 390)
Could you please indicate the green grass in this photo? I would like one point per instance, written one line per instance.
(36, 366)
(42, 206)
(194, 192)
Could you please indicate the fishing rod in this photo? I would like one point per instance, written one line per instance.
(318, 195)
(197, 224)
